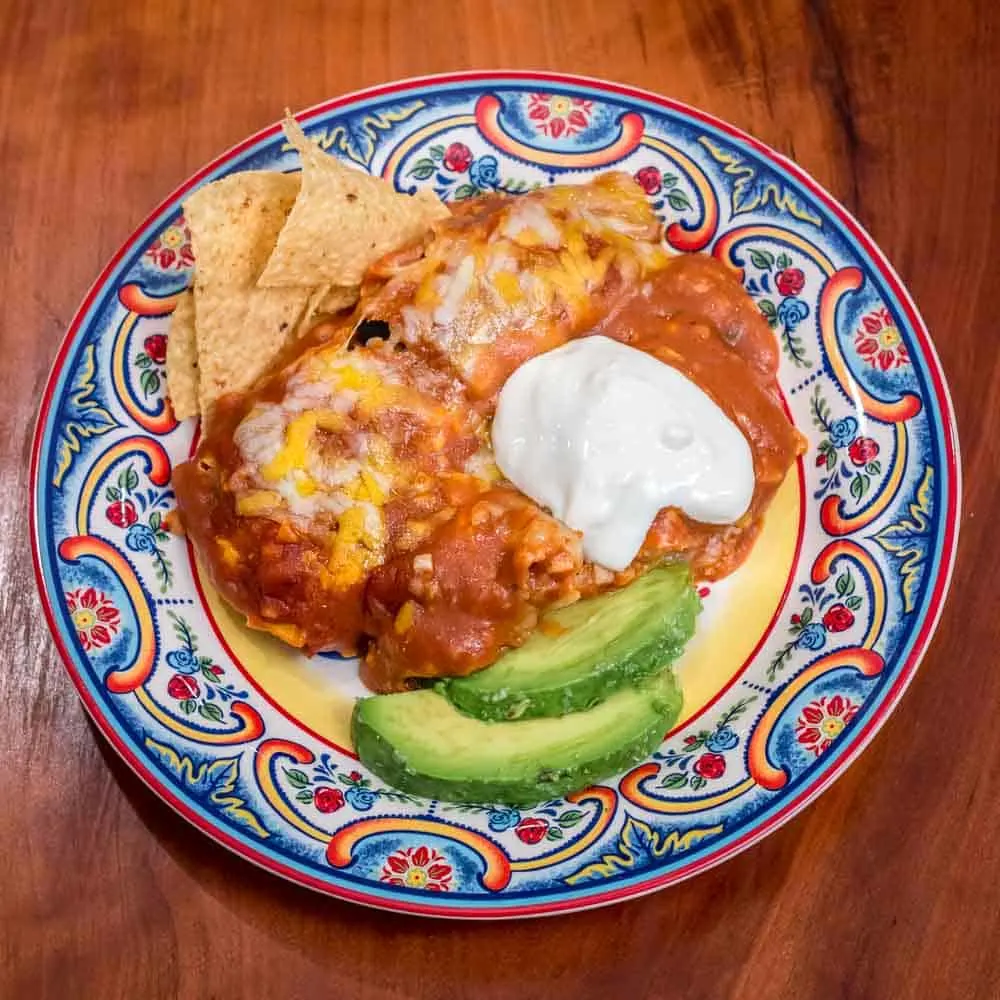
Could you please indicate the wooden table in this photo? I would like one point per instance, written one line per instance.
(888, 886)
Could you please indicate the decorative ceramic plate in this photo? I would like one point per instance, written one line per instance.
(798, 659)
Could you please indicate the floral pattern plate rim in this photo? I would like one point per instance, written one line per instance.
(866, 534)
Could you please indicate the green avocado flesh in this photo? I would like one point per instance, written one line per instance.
(420, 743)
(583, 653)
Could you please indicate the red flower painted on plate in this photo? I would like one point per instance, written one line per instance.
(457, 157)
(863, 450)
(558, 116)
(823, 720)
(649, 179)
(94, 616)
(790, 281)
(418, 868)
(355, 776)
(121, 513)
(879, 342)
(532, 829)
(156, 347)
(328, 800)
(710, 765)
(182, 687)
(171, 250)
(838, 618)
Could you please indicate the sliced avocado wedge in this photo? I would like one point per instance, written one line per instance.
(582, 653)
(420, 743)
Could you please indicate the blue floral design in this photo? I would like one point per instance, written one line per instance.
(791, 312)
(721, 740)
(503, 819)
(183, 661)
(140, 538)
(812, 637)
(485, 172)
(361, 798)
(843, 431)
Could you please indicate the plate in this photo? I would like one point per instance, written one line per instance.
(799, 657)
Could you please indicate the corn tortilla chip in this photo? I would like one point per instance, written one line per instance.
(240, 331)
(343, 221)
(334, 299)
(182, 359)
(235, 222)
(239, 328)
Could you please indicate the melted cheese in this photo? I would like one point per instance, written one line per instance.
(357, 545)
(529, 224)
(257, 502)
(548, 254)
(294, 453)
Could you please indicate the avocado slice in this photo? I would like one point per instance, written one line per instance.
(420, 743)
(582, 653)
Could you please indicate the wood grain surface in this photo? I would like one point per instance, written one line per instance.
(885, 888)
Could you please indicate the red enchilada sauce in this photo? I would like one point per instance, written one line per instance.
(491, 577)
(463, 564)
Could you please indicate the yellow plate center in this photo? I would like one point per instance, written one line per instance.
(319, 693)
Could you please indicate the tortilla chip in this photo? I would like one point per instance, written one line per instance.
(335, 299)
(342, 222)
(235, 222)
(182, 359)
(240, 328)
(240, 331)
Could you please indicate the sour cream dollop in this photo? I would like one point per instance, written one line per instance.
(605, 436)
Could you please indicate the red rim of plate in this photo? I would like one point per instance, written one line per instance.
(932, 609)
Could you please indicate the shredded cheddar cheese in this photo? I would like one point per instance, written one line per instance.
(228, 551)
(380, 453)
(426, 296)
(304, 484)
(286, 533)
(404, 619)
(294, 453)
(291, 634)
(350, 377)
(355, 548)
(257, 502)
(508, 286)
(375, 493)
(551, 628)
(330, 420)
